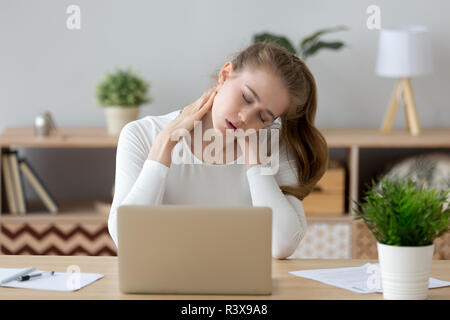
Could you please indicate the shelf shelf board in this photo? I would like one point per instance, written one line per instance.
(70, 211)
(98, 210)
(97, 137)
(64, 137)
(398, 138)
(346, 218)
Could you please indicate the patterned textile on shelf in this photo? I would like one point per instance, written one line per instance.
(56, 239)
(325, 241)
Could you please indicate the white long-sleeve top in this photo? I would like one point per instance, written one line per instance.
(140, 181)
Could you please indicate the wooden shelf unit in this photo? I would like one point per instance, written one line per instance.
(355, 139)
(361, 242)
(65, 137)
(349, 139)
(81, 226)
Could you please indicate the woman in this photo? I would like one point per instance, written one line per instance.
(264, 86)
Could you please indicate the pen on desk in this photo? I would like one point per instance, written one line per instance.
(36, 276)
(15, 276)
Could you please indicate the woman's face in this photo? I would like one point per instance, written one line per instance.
(252, 99)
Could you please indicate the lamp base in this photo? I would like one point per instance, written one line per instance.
(403, 89)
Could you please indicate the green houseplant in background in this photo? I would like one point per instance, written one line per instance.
(309, 46)
(405, 218)
(121, 93)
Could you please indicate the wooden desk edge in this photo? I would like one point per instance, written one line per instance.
(286, 285)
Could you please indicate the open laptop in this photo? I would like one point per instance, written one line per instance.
(174, 249)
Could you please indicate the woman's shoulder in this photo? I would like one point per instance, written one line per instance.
(149, 126)
(159, 122)
(142, 132)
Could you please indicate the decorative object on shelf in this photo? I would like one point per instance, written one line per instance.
(430, 170)
(405, 219)
(403, 53)
(121, 93)
(44, 125)
(309, 45)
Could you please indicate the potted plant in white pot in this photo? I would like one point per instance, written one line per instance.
(405, 218)
(121, 93)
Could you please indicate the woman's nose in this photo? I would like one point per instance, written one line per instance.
(244, 117)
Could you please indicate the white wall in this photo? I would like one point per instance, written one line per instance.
(176, 45)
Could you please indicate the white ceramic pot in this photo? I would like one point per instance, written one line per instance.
(118, 117)
(405, 271)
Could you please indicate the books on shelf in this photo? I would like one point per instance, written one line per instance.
(19, 189)
(8, 183)
(15, 171)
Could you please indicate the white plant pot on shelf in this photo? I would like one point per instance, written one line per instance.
(118, 117)
(405, 271)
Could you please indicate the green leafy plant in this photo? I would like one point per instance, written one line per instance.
(122, 88)
(309, 46)
(398, 212)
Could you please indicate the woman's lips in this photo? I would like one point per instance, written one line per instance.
(230, 125)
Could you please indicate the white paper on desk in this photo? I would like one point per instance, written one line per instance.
(364, 279)
(60, 281)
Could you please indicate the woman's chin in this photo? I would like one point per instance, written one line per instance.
(218, 130)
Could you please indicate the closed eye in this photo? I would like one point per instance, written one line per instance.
(248, 102)
(243, 97)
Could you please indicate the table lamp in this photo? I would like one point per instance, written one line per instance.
(403, 53)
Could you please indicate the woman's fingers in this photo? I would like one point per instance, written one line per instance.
(199, 108)
(207, 100)
(202, 100)
(211, 98)
(205, 96)
(184, 122)
(203, 109)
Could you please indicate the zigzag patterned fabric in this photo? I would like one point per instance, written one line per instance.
(61, 239)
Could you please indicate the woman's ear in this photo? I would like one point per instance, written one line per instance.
(225, 72)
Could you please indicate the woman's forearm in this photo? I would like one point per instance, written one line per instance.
(288, 218)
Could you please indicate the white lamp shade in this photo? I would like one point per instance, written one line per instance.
(404, 52)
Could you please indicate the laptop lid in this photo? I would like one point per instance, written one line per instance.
(174, 249)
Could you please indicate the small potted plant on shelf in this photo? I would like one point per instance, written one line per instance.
(121, 93)
(405, 218)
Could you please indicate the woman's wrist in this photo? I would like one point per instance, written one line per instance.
(161, 150)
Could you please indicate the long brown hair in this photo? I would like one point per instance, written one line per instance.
(303, 140)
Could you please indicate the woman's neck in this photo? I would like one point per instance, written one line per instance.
(207, 124)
